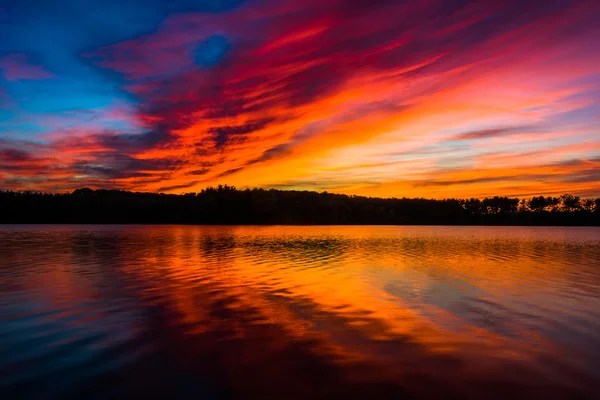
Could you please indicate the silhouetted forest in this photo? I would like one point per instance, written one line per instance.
(228, 205)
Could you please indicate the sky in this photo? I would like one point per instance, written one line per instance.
(391, 98)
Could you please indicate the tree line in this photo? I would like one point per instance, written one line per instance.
(228, 205)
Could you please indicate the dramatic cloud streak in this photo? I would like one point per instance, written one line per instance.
(430, 98)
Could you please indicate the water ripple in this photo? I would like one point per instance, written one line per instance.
(299, 312)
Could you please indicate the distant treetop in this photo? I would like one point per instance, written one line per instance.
(227, 205)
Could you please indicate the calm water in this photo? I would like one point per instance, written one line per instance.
(299, 312)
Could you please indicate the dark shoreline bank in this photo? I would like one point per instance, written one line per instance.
(228, 206)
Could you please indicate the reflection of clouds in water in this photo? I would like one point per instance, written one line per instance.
(41, 344)
(299, 311)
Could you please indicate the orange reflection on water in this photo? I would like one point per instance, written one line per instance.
(326, 311)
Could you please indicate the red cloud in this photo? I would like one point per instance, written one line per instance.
(299, 79)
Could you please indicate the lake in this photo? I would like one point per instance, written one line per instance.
(299, 312)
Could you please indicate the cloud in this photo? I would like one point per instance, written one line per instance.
(574, 176)
(489, 133)
(177, 187)
(116, 166)
(229, 172)
(274, 92)
(14, 155)
(272, 153)
(202, 171)
(16, 67)
(225, 134)
(129, 143)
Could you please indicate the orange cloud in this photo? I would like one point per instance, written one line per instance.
(435, 99)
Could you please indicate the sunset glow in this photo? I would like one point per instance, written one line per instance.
(428, 98)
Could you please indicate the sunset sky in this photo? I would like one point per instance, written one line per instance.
(431, 98)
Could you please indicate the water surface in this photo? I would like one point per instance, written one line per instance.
(299, 312)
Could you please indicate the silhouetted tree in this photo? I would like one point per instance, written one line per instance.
(588, 204)
(228, 205)
(473, 206)
(569, 202)
(496, 205)
(538, 203)
(553, 203)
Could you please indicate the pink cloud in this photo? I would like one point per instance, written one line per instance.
(17, 67)
(301, 81)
